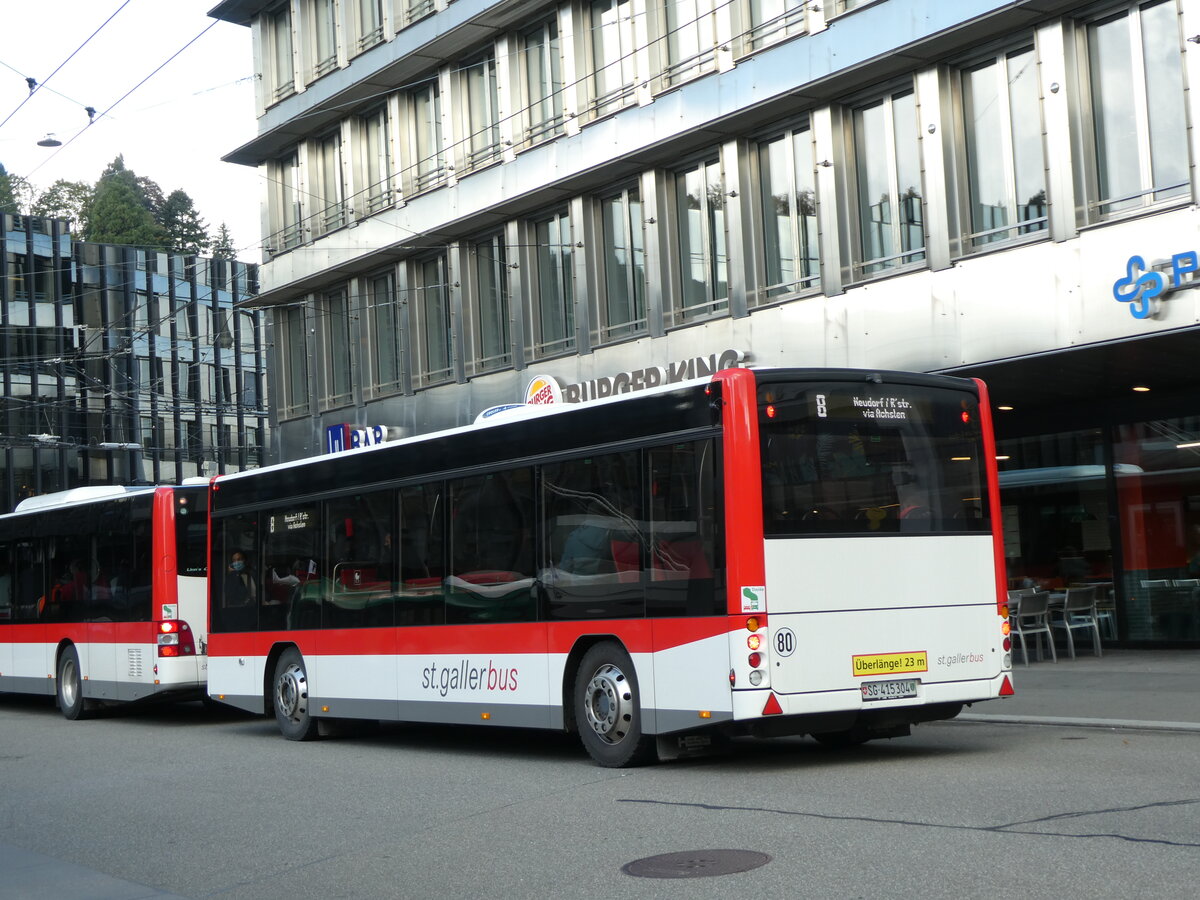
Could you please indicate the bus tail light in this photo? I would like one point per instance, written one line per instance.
(175, 639)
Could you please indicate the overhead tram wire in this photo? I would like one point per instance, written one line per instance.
(63, 63)
(113, 106)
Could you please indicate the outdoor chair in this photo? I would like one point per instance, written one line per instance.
(1031, 617)
(1078, 611)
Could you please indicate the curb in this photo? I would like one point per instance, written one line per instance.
(1073, 722)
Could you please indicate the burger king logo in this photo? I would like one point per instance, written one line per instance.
(543, 389)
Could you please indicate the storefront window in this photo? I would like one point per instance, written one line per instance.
(1053, 497)
(1158, 489)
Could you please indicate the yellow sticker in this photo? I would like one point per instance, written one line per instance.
(890, 663)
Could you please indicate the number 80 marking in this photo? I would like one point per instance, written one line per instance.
(784, 641)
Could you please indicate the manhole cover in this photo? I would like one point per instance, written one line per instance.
(696, 864)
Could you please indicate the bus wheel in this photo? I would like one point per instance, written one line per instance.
(607, 708)
(70, 686)
(291, 698)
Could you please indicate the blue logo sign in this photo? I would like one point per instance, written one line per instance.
(1141, 286)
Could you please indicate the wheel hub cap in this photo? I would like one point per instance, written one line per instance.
(608, 704)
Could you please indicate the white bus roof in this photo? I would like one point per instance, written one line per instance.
(89, 494)
(523, 412)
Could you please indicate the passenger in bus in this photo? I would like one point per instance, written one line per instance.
(239, 587)
(74, 589)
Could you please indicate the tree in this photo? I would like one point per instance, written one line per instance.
(119, 212)
(152, 197)
(186, 231)
(8, 199)
(222, 243)
(16, 193)
(66, 200)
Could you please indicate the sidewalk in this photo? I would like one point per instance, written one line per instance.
(1157, 689)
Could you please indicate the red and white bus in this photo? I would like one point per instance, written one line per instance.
(103, 595)
(761, 552)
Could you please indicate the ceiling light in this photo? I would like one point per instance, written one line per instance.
(1187, 445)
(1141, 389)
(1004, 408)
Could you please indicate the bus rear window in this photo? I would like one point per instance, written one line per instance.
(191, 531)
(871, 459)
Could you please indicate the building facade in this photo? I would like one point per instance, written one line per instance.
(465, 196)
(122, 365)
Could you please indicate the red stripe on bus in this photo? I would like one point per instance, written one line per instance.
(163, 552)
(991, 467)
(638, 636)
(745, 565)
(80, 633)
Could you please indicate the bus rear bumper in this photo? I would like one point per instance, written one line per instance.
(766, 713)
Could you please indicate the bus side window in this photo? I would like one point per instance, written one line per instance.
(492, 548)
(422, 556)
(684, 525)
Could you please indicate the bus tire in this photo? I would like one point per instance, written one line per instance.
(608, 711)
(290, 696)
(70, 686)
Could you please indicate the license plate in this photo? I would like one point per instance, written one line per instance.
(889, 690)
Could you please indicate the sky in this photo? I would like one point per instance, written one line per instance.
(174, 128)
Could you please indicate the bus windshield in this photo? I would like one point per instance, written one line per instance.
(871, 459)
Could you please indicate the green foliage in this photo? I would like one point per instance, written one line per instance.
(15, 193)
(118, 213)
(186, 231)
(66, 200)
(8, 200)
(222, 243)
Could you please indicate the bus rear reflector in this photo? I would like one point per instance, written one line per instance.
(772, 707)
(1006, 688)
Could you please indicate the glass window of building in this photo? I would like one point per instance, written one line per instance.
(691, 31)
(332, 199)
(293, 361)
(324, 36)
(429, 161)
(1054, 503)
(431, 302)
(887, 164)
(377, 160)
(773, 20)
(612, 48)
(554, 286)
(482, 121)
(493, 346)
(1006, 164)
(1139, 118)
(279, 41)
(370, 23)
(339, 368)
(703, 258)
(543, 81)
(286, 214)
(788, 186)
(622, 300)
(384, 316)
(1157, 474)
(417, 9)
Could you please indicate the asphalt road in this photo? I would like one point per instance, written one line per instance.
(182, 801)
